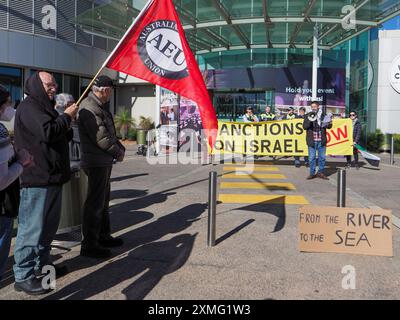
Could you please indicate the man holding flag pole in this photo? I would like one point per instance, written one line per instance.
(154, 48)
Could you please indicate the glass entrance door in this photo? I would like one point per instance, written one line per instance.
(231, 106)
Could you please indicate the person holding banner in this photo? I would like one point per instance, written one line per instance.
(268, 115)
(290, 116)
(316, 124)
(356, 139)
(301, 115)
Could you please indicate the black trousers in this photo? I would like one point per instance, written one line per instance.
(96, 220)
(355, 154)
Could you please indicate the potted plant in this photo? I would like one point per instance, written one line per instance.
(124, 122)
(145, 124)
(132, 134)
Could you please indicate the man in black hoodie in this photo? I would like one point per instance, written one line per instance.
(45, 134)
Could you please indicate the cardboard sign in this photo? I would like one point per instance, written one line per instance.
(346, 230)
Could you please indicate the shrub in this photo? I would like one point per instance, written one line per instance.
(132, 134)
(146, 123)
(396, 142)
(374, 140)
(124, 122)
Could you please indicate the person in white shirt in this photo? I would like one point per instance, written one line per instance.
(249, 116)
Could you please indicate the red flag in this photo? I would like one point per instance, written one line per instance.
(155, 49)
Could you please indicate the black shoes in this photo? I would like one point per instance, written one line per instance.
(98, 253)
(111, 242)
(310, 177)
(60, 271)
(101, 252)
(32, 287)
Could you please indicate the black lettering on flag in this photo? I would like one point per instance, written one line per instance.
(157, 41)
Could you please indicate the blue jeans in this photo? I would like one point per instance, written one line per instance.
(6, 227)
(38, 219)
(312, 153)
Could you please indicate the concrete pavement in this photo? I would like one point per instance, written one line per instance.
(161, 213)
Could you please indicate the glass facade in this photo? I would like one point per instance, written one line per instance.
(71, 85)
(12, 79)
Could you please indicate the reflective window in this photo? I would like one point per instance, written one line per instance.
(12, 79)
(71, 85)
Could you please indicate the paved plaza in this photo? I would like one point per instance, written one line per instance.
(160, 211)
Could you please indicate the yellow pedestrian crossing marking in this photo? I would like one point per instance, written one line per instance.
(260, 198)
(250, 169)
(258, 185)
(253, 176)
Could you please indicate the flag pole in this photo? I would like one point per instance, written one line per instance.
(148, 4)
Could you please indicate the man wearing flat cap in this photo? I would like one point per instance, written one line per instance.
(99, 148)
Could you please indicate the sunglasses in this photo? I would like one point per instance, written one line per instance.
(352, 115)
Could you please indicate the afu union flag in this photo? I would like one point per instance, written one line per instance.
(155, 49)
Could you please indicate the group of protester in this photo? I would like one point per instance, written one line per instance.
(34, 167)
(315, 135)
(36, 164)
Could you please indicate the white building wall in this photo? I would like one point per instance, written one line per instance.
(388, 100)
(140, 99)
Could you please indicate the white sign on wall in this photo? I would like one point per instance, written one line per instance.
(395, 74)
(49, 21)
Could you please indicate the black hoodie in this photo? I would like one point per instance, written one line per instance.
(45, 134)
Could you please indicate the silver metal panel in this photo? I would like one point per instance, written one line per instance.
(21, 15)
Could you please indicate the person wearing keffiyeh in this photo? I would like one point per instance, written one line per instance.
(316, 140)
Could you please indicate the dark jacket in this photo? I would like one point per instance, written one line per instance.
(45, 134)
(356, 132)
(99, 142)
(309, 126)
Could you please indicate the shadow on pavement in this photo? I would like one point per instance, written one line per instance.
(131, 176)
(275, 207)
(234, 231)
(127, 194)
(142, 252)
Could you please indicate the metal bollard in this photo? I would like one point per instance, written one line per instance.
(392, 151)
(212, 207)
(193, 144)
(341, 188)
